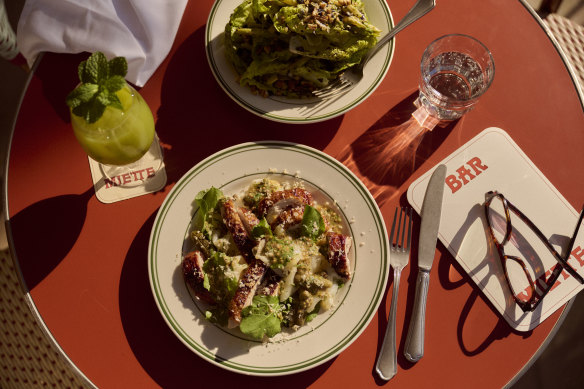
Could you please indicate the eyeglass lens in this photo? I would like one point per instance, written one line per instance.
(524, 266)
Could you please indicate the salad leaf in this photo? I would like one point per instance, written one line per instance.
(207, 201)
(262, 317)
(206, 283)
(259, 32)
(217, 278)
(312, 222)
(201, 243)
(217, 315)
(262, 229)
(314, 313)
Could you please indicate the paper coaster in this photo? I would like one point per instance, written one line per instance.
(493, 161)
(127, 184)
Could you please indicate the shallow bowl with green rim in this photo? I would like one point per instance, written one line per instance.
(295, 110)
(329, 333)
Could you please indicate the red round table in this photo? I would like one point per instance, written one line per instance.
(84, 263)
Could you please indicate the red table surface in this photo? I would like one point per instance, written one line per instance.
(85, 263)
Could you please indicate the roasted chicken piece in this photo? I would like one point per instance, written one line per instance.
(339, 246)
(289, 217)
(248, 285)
(272, 206)
(270, 285)
(192, 267)
(248, 218)
(232, 218)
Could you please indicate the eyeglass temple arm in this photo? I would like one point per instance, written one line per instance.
(573, 238)
(563, 261)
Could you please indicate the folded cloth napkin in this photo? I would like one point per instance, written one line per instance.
(140, 30)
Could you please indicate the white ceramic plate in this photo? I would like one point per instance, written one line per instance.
(330, 333)
(295, 110)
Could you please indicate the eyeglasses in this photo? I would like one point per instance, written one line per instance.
(521, 269)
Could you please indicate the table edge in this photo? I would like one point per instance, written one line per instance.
(5, 209)
(562, 54)
(580, 92)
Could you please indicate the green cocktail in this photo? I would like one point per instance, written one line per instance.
(119, 136)
(113, 123)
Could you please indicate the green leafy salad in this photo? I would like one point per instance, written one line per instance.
(330, 37)
(268, 258)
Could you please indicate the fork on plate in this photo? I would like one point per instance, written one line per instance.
(386, 365)
(351, 77)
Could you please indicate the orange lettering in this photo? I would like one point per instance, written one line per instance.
(578, 253)
(477, 165)
(463, 173)
(453, 183)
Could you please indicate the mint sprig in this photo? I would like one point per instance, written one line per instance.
(100, 80)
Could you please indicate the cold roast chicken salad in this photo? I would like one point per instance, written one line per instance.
(268, 258)
(328, 37)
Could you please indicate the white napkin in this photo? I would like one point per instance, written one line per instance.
(140, 30)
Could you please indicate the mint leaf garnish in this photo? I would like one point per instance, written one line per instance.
(82, 93)
(96, 68)
(91, 111)
(115, 102)
(114, 83)
(103, 97)
(262, 317)
(100, 80)
(118, 67)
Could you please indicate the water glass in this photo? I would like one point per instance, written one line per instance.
(456, 70)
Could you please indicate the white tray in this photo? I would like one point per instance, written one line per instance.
(495, 162)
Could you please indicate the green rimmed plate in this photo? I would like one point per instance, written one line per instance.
(330, 333)
(295, 110)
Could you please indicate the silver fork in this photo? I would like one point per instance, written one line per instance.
(351, 77)
(386, 365)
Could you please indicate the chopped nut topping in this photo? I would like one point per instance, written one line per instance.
(324, 13)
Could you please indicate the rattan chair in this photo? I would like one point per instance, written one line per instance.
(570, 36)
(27, 358)
(550, 6)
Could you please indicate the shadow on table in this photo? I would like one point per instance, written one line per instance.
(47, 230)
(471, 343)
(197, 118)
(170, 363)
(384, 157)
(59, 76)
(452, 275)
(392, 149)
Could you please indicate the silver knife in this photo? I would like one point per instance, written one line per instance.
(430, 214)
